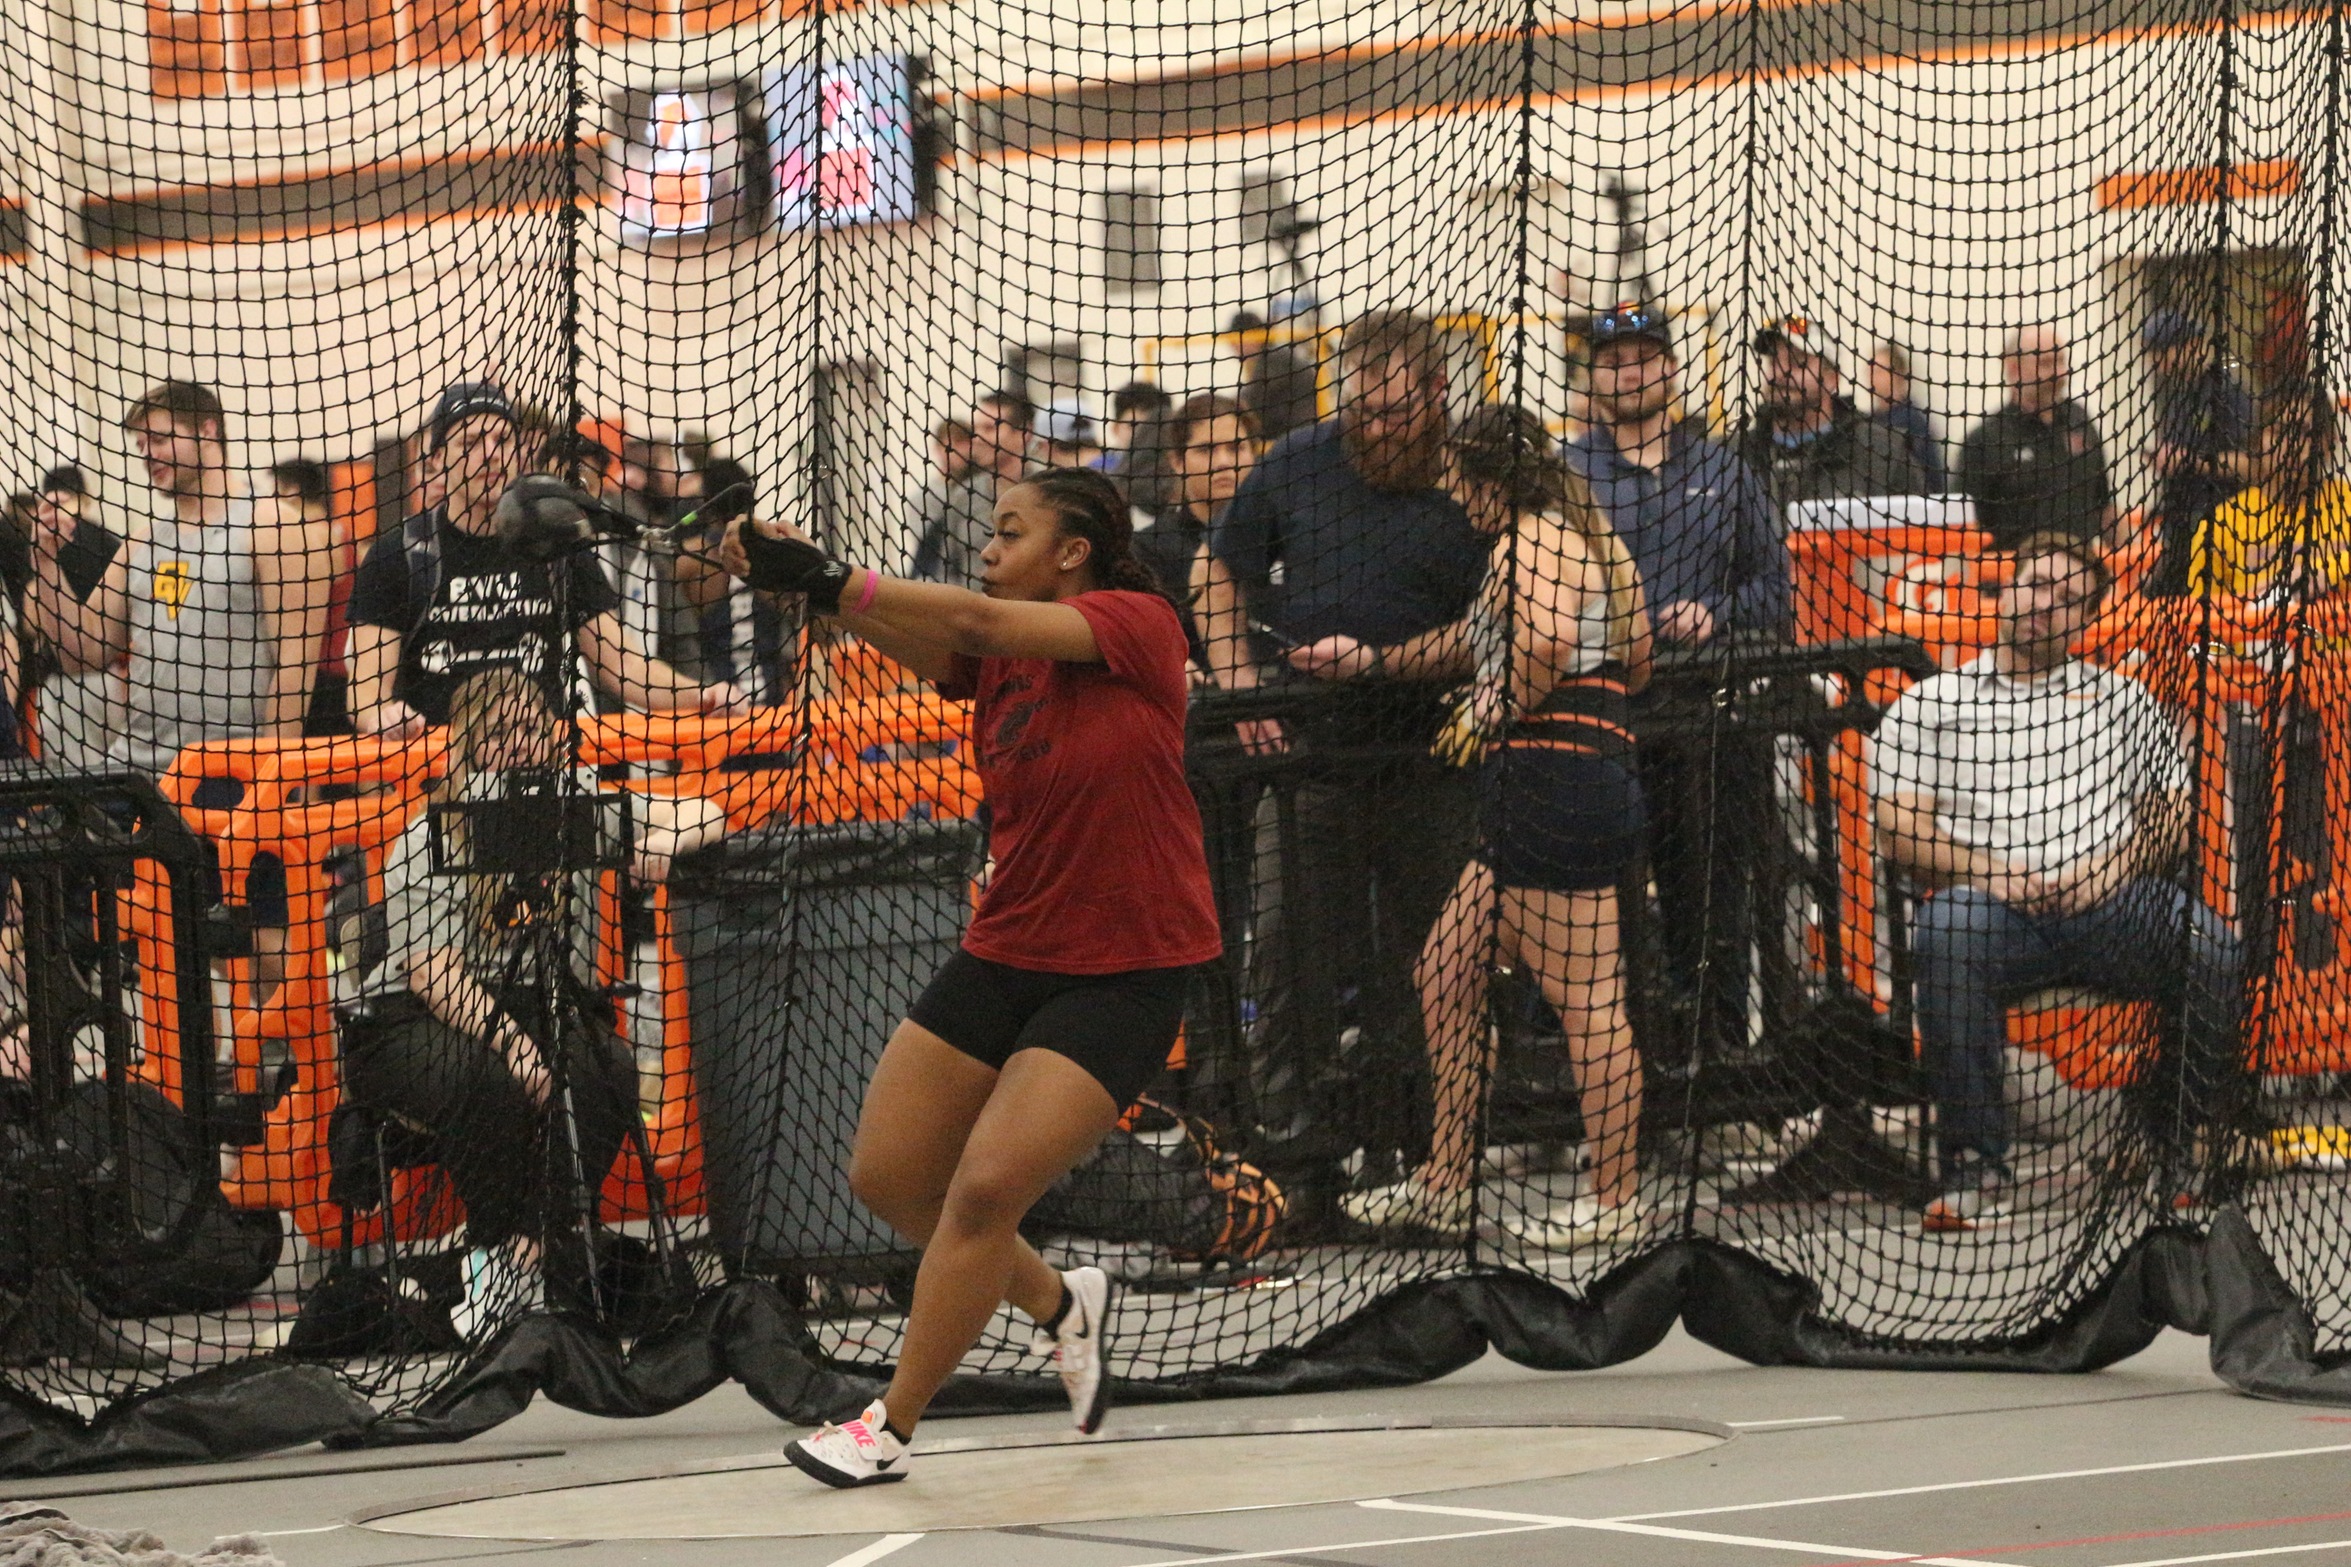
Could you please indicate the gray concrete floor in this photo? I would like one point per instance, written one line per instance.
(2149, 1464)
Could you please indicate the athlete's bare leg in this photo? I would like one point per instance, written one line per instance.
(941, 1130)
(1453, 974)
(1044, 1114)
(1570, 941)
(919, 1109)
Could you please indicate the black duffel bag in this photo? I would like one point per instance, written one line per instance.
(158, 1237)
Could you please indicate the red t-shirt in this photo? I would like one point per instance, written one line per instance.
(1099, 867)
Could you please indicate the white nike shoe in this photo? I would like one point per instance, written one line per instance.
(1581, 1222)
(860, 1452)
(1409, 1206)
(1077, 1346)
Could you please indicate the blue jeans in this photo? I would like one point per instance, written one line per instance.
(2149, 942)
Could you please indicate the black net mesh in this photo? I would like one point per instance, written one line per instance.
(1765, 661)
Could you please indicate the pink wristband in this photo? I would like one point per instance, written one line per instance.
(873, 583)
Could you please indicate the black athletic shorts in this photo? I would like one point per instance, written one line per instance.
(1559, 821)
(1120, 1027)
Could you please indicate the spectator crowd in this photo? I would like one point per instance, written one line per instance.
(1494, 600)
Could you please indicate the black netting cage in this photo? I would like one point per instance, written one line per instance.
(1766, 610)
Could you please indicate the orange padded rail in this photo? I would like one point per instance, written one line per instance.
(822, 774)
(827, 730)
(1840, 575)
(288, 1168)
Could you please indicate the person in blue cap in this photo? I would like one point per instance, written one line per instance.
(1711, 548)
(2203, 430)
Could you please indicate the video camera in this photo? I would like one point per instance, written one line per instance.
(540, 517)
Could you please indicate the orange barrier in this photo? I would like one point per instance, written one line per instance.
(1949, 604)
(2301, 1017)
(2093, 1044)
(864, 759)
(288, 1168)
(1839, 575)
(817, 772)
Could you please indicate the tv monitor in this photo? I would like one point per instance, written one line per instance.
(679, 162)
(846, 141)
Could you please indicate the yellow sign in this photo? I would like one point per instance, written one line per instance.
(172, 581)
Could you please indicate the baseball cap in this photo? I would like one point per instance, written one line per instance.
(1787, 332)
(2168, 329)
(1066, 422)
(1629, 320)
(466, 399)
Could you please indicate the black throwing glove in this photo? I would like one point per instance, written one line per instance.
(794, 566)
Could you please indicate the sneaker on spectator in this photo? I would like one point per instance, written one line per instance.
(1409, 1205)
(1580, 1222)
(495, 1288)
(1976, 1199)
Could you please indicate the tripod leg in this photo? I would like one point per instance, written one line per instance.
(384, 1202)
(583, 1191)
(669, 1249)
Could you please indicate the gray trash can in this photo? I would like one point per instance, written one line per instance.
(804, 948)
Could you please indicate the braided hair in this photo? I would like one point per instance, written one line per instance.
(1088, 506)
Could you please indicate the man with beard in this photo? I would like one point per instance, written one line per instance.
(2037, 465)
(1343, 530)
(2039, 805)
(1809, 443)
(1277, 382)
(1713, 558)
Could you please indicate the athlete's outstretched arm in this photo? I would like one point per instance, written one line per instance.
(895, 614)
(968, 622)
(921, 650)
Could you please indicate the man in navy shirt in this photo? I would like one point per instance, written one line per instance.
(1342, 530)
(1713, 555)
(1712, 549)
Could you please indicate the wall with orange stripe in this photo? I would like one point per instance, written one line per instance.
(331, 246)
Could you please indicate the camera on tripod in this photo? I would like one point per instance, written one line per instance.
(539, 822)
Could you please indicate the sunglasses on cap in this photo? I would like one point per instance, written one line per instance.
(1630, 321)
